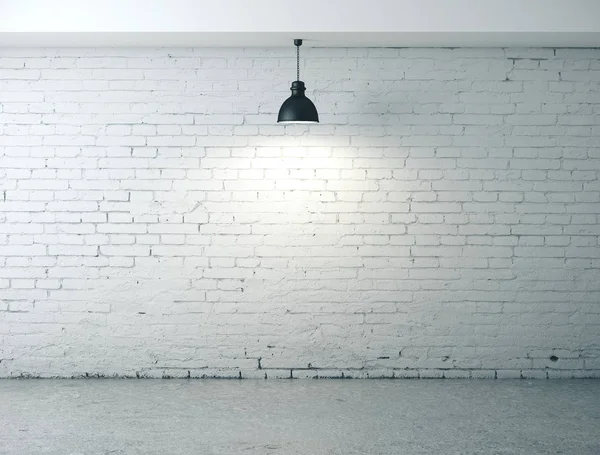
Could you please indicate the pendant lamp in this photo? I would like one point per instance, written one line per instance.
(298, 108)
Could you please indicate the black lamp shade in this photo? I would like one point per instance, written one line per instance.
(298, 108)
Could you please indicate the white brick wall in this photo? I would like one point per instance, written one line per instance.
(442, 220)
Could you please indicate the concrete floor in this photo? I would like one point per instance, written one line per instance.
(366, 417)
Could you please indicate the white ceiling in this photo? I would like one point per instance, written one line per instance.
(339, 39)
(322, 23)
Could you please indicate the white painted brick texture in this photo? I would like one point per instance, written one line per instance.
(442, 220)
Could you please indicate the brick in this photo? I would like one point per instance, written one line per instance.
(132, 204)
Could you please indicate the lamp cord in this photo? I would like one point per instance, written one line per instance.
(297, 63)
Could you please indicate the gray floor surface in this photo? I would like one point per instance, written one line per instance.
(308, 417)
